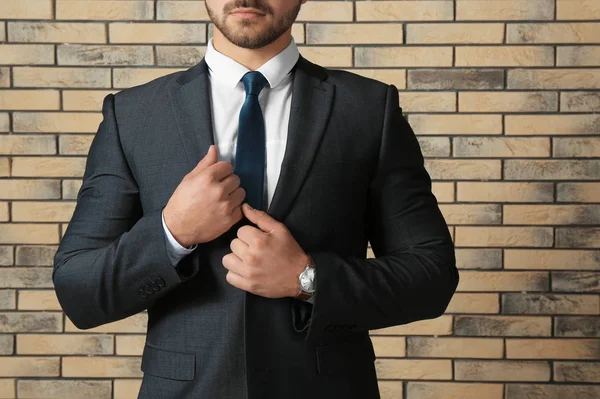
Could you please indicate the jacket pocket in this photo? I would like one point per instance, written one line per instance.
(168, 363)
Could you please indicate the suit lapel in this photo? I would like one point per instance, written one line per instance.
(191, 103)
(312, 98)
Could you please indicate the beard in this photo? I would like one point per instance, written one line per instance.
(248, 36)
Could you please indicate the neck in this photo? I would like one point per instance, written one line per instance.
(250, 58)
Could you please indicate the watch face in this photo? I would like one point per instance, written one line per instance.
(307, 280)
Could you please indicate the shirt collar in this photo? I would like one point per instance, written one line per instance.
(229, 72)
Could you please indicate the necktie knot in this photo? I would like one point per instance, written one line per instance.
(254, 82)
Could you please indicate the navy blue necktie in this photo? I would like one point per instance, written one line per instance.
(250, 150)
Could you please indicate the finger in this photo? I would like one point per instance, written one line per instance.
(230, 183)
(237, 281)
(219, 170)
(239, 248)
(261, 218)
(233, 263)
(250, 234)
(237, 197)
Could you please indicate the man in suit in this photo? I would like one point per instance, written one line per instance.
(327, 162)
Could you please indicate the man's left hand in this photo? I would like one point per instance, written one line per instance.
(267, 260)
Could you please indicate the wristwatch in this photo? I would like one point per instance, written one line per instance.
(307, 280)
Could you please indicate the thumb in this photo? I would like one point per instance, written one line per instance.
(209, 159)
(262, 219)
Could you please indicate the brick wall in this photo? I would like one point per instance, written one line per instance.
(505, 98)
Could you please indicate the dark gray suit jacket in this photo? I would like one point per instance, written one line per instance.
(352, 173)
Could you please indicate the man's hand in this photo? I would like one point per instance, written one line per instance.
(206, 203)
(265, 261)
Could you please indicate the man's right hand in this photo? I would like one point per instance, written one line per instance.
(206, 203)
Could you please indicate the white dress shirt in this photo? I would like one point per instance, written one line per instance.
(228, 95)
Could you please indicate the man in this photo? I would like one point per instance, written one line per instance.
(235, 310)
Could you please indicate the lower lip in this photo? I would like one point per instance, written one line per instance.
(248, 14)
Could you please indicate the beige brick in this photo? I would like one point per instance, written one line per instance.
(396, 77)
(444, 192)
(498, 326)
(127, 388)
(84, 100)
(15, 322)
(128, 77)
(56, 32)
(453, 390)
(64, 389)
(473, 147)
(552, 348)
(4, 123)
(577, 372)
(70, 188)
(499, 236)
(576, 281)
(576, 147)
(455, 79)
(48, 166)
(328, 56)
(8, 299)
(7, 388)
(552, 124)
(403, 56)
(575, 78)
(390, 389)
(26, 277)
(105, 10)
(577, 238)
(578, 32)
(472, 214)
(551, 259)
(26, 233)
(452, 169)
(58, 211)
(6, 344)
(4, 77)
(4, 212)
(504, 56)
(64, 344)
(6, 255)
(577, 326)
(434, 10)
(580, 101)
(427, 102)
(551, 391)
(468, 258)
(176, 10)
(389, 346)
(133, 324)
(502, 281)
(504, 10)
(163, 32)
(29, 366)
(447, 347)
(577, 9)
(354, 33)
(439, 326)
(36, 255)
(33, 54)
(552, 170)
(85, 54)
(455, 33)
(29, 100)
(456, 124)
(507, 102)
(473, 303)
(520, 303)
(130, 345)
(414, 369)
(578, 192)
(505, 192)
(27, 144)
(61, 77)
(26, 9)
(4, 166)
(434, 146)
(501, 370)
(179, 55)
(38, 300)
(331, 11)
(70, 144)
(103, 367)
(551, 214)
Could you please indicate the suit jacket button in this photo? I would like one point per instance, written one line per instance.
(142, 292)
(154, 286)
(149, 290)
(161, 283)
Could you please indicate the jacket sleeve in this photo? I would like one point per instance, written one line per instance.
(112, 261)
(413, 275)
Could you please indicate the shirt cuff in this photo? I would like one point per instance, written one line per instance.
(175, 250)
